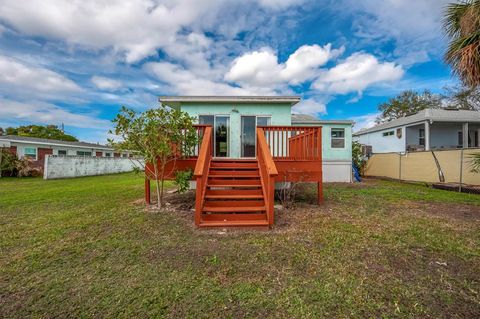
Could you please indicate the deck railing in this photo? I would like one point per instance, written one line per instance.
(294, 142)
(268, 171)
(201, 169)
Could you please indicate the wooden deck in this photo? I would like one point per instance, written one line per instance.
(240, 192)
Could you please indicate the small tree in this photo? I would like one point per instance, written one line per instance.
(158, 135)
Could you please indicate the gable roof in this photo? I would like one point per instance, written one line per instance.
(175, 101)
(46, 141)
(309, 119)
(432, 115)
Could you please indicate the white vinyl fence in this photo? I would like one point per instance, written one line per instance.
(77, 166)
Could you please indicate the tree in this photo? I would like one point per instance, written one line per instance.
(158, 135)
(48, 131)
(463, 97)
(462, 24)
(406, 103)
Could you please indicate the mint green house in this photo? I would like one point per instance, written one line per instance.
(235, 118)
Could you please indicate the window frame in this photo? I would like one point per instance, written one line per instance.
(421, 136)
(84, 153)
(388, 133)
(337, 138)
(29, 155)
(58, 153)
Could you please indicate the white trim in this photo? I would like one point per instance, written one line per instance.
(55, 144)
(344, 138)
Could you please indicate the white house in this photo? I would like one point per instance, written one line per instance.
(37, 148)
(428, 129)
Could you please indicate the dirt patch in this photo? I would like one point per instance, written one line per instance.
(455, 211)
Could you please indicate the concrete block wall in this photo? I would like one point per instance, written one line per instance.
(77, 166)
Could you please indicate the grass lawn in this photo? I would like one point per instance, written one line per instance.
(87, 248)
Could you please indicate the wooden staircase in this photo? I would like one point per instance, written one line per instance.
(233, 195)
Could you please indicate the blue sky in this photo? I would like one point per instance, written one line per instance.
(77, 62)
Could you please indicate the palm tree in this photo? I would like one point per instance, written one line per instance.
(476, 163)
(462, 24)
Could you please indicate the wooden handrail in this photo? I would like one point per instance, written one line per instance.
(265, 152)
(203, 153)
(268, 171)
(201, 172)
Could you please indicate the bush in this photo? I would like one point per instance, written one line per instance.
(357, 157)
(8, 163)
(25, 168)
(182, 180)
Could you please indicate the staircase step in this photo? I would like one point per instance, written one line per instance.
(235, 223)
(235, 183)
(235, 203)
(230, 175)
(235, 165)
(232, 217)
(232, 209)
(234, 191)
(234, 168)
(234, 160)
(234, 173)
(233, 197)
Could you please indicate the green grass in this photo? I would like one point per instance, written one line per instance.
(86, 248)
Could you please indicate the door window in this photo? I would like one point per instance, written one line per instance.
(248, 136)
(221, 136)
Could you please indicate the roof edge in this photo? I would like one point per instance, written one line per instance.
(176, 100)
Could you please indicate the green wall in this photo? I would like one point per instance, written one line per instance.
(280, 115)
(329, 153)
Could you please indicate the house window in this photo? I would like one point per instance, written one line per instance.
(389, 133)
(338, 138)
(206, 120)
(460, 139)
(82, 153)
(62, 153)
(263, 120)
(421, 137)
(30, 152)
(124, 155)
(108, 154)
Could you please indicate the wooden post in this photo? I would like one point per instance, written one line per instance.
(320, 193)
(198, 200)
(147, 191)
(271, 199)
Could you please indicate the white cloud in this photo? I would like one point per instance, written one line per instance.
(135, 29)
(107, 84)
(185, 82)
(310, 107)
(356, 73)
(261, 68)
(280, 4)
(27, 78)
(364, 121)
(414, 26)
(46, 113)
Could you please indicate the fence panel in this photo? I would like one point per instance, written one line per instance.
(77, 166)
(454, 165)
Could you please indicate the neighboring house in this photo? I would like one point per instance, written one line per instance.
(336, 146)
(235, 119)
(37, 148)
(428, 129)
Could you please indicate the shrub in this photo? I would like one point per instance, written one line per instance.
(182, 180)
(25, 168)
(8, 163)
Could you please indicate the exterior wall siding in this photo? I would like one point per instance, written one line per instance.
(383, 144)
(280, 115)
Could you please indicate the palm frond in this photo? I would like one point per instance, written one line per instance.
(475, 163)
